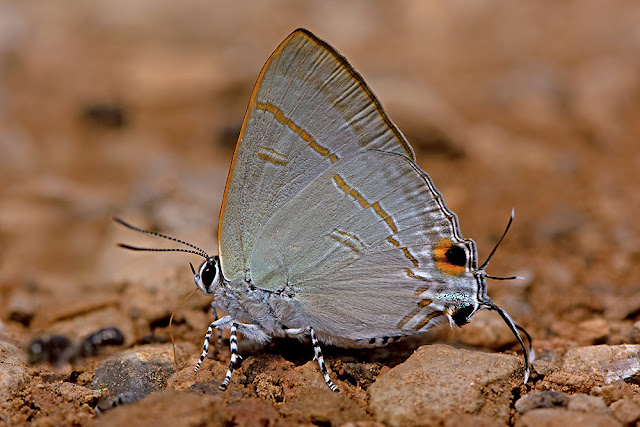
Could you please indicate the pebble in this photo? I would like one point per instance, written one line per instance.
(440, 379)
(581, 402)
(558, 417)
(613, 392)
(170, 408)
(607, 363)
(139, 371)
(541, 399)
(321, 406)
(13, 371)
(627, 410)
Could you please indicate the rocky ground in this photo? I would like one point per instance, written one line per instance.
(132, 109)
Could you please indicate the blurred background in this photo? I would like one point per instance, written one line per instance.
(132, 109)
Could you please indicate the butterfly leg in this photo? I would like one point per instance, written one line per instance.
(205, 347)
(318, 356)
(217, 324)
(214, 312)
(236, 359)
(253, 332)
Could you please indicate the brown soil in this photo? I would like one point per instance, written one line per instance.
(132, 109)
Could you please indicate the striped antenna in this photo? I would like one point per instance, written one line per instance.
(196, 250)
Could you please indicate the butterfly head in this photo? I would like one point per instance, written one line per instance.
(208, 275)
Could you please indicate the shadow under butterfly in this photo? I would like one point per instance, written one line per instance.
(328, 228)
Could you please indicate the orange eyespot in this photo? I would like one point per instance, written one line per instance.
(450, 259)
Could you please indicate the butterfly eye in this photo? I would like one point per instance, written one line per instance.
(461, 316)
(208, 275)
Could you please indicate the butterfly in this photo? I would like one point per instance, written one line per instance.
(328, 228)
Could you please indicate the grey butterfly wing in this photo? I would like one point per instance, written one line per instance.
(361, 251)
(309, 109)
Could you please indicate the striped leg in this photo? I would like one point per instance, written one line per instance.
(318, 356)
(215, 319)
(205, 347)
(236, 359)
(253, 332)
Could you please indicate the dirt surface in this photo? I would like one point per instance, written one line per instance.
(132, 109)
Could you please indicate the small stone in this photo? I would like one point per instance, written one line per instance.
(570, 381)
(455, 420)
(139, 371)
(362, 374)
(607, 363)
(627, 410)
(581, 402)
(178, 409)
(13, 371)
(543, 368)
(321, 406)
(546, 362)
(613, 392)
(542, 399)
(561, 417)
(440, 379)
(253, 412)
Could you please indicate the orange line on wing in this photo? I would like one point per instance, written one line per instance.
(278, 114)
(421, 304)
(347, 239)
(272, 156)
(425, 302)
(393, 241)
(376, 207)
(427, 319)
(410, 257)
(363, 202)
(341, 184)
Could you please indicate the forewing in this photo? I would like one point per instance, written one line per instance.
(358, 249)
(309, 109)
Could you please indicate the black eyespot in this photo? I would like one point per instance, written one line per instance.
(456, 256)
(461, 315)
(208, 274)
